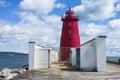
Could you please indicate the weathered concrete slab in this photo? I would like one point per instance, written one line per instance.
(62, 72)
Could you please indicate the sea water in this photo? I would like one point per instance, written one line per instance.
(113, 59)
(12, 62)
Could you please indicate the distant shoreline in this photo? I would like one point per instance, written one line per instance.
(11, 53)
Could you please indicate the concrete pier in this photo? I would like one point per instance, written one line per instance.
(60, 71)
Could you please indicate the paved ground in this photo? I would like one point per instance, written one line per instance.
(63, 72)
(113, 67)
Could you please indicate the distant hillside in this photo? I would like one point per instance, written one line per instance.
(11, 54)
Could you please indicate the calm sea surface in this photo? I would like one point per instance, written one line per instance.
(13, 61)
(113, 59)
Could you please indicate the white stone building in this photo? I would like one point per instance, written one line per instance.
(90, 55)
(41, 57)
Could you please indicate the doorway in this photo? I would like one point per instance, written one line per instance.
(78, 57)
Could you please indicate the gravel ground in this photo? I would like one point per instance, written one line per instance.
(60, 71)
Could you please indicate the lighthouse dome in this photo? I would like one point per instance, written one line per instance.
(70, 12)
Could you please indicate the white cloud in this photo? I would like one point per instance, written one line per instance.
(59, 5)
(12, 38)
(113, 43)
(33, 26)
(96, 9)
(92, 29)
(79, 8)
(42, 26)
(89, 31)
(43, 30)
(40, 6)
(114, 24)
(118, 7)
(113, 37)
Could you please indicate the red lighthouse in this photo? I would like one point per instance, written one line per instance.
(70, 34)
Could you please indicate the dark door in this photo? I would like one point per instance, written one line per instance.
(49, 58)
(78, 58)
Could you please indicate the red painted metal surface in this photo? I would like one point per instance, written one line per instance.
(70, 34)
(65, 54)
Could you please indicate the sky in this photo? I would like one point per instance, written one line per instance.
(22, 21)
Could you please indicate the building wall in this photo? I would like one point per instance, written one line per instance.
(88, 55)
(55, 56)
(73, 56)
(50, 58)
(38, 53)
(41, 57)
(31, 55)
(65, 53)
(93, 54)
(101, 53)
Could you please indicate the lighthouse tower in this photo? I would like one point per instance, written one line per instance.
(70, 34)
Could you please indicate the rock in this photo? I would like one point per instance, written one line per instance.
(20, 70)
(25, 67)
(15, 71)
(1, 76)
(6, 71)
(7, 74)
(0, 72)
(10, 76)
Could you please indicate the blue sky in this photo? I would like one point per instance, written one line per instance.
(22, 21)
